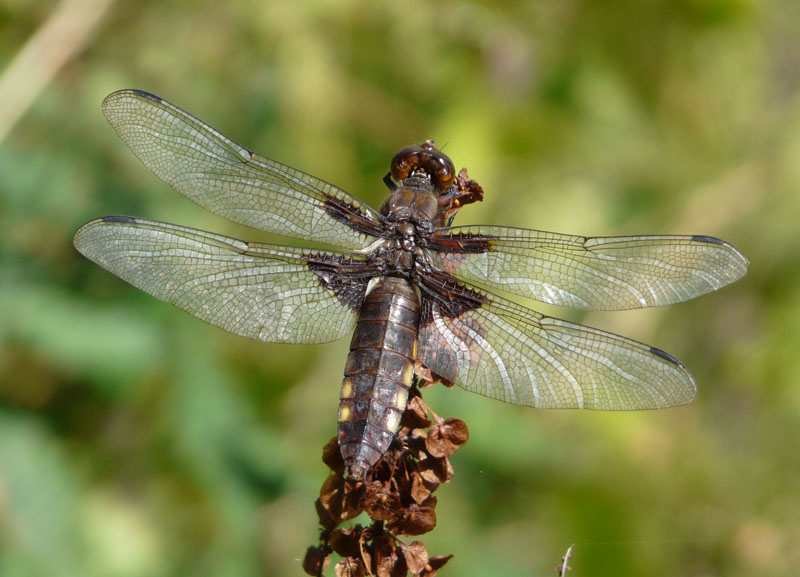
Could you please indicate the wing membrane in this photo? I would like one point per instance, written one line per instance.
(264, 292)
(597, 273)
(501, 350)
(230, 180)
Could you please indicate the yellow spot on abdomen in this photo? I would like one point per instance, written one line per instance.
(392, 421)
(400, 399)
(347, 388)
(344, 413)
(408, 373)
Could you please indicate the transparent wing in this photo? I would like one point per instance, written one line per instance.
(597, 273)
(501, 350)
(260, 291)
(230, 180)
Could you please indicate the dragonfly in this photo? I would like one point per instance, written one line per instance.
(413, 290)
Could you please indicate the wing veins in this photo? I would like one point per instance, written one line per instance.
(263, 193)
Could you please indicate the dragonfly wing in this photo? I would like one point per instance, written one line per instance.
(234, 182)
(266, 292)
(502, 350)
(596, 273)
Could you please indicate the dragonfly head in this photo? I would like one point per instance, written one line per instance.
(424, 160)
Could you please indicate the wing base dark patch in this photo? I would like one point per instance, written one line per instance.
(347, 277)
(461, 243)
(448, 296)
(352, 216)
(447, 300)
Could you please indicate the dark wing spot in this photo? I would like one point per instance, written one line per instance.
(708, 239)
(118, 218)
(352, 216)
(146, 95)
(347, 277)
(446, 295)
(666, 356)
(446, 299)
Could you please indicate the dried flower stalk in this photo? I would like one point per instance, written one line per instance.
(397, 495)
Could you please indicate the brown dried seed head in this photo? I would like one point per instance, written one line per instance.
(416, 414)
(391, 566)
(421, 489)
(382, 506)
(350, 568)
(445, 438)
(470, 189)
(385, 558)
(416, 557)
(435, 470)
(325, 518)
(353, 499)
(345, 542)
(316, 560)
(332, 456)
(415, 444)
(337, 502)
(414, 520)
(397, 495)
(425, 376)
(331, 495)
(434, 564)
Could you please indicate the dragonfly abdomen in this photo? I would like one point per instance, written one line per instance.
(378, 373)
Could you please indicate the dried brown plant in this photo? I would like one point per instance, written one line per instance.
(396, 494)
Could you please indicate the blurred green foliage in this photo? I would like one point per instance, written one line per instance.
(135, 440)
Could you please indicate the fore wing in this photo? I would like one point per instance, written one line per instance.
(597, 273)
(502, 350)
(232, 181)
(265, 292)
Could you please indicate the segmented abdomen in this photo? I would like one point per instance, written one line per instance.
(378, 373)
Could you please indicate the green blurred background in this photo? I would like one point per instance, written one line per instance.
(138, 441)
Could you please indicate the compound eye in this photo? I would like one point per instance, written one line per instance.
(442, 171)
(405, 161)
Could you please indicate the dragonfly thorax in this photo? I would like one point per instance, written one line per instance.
(415, 201)
(397, 256)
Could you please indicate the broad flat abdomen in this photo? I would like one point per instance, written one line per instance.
(378, 373)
